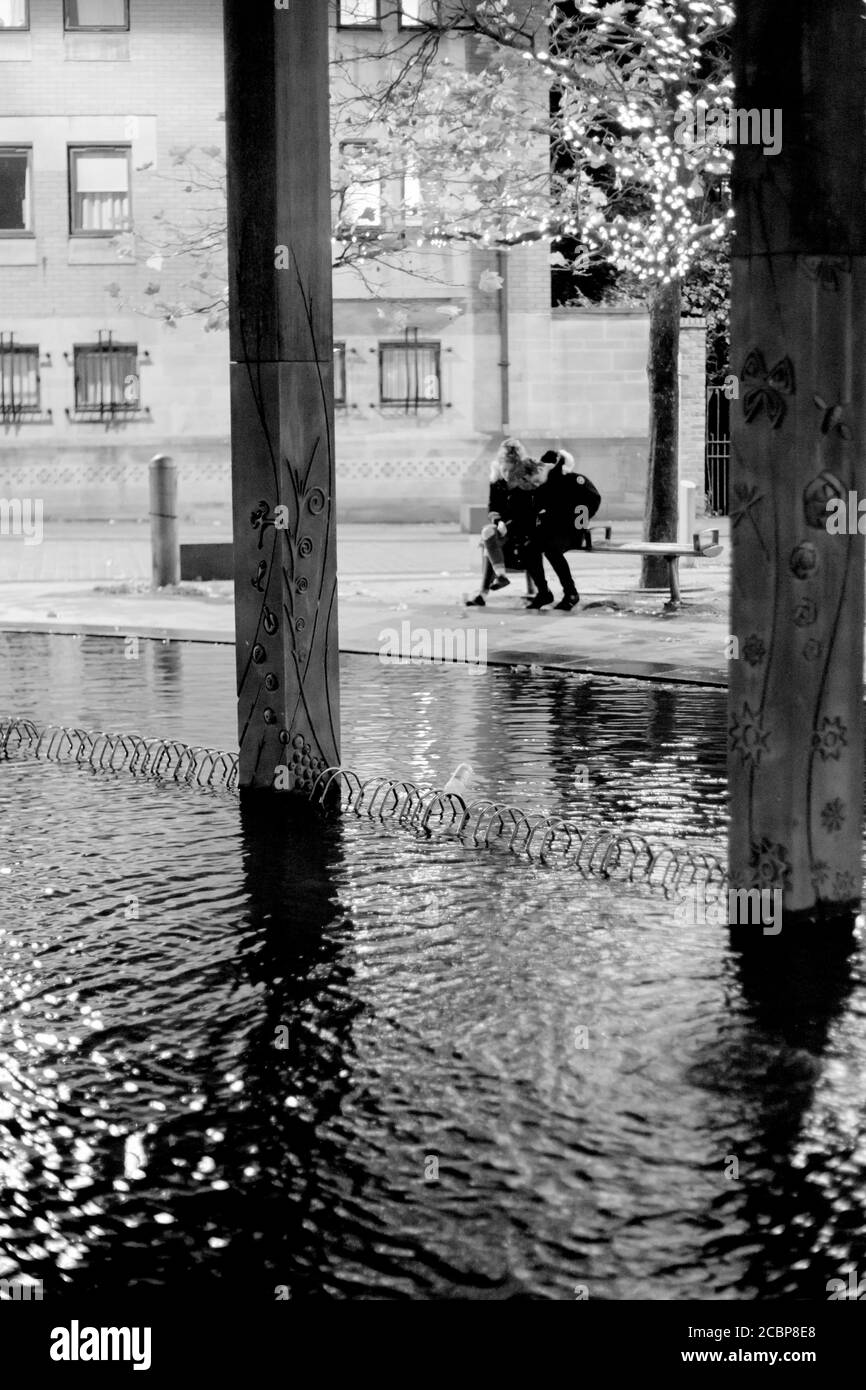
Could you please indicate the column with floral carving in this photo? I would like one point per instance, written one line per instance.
(795, 727)
(279, 243)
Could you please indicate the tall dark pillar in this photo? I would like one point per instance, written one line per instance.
(799, 441)
(279, 244)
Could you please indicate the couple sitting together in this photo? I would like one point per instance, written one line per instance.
(539, 508)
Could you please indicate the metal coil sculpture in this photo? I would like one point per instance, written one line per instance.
(626, 856)
(168, 759)
(551, 840)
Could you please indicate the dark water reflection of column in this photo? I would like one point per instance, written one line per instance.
(293, 945)
(612, 734)
(167, 665)
(787, 1206)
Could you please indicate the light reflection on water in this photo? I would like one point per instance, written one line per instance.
(652, 754)
(156, 940)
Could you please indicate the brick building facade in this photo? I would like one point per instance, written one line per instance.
(94, 96)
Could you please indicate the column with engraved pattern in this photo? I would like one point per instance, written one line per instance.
(795, 725)
(279, 247)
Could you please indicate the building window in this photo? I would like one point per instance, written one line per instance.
(413, 199)
(99, 190)
(19, 378)
(410, 372)
(95, 14)
(14, 14)
(416, 13)
(361, 202)
(339, 374)
(358, 14)
(420, 195)
(106, 379)
(15, 164)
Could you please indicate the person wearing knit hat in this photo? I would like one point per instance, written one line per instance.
(569, 494)
(566, 501)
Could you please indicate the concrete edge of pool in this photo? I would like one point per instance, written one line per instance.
(669, 672)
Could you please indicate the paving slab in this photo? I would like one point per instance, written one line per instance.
(411, 581)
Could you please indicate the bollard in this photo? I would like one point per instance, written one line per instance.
(687, 524)
(164, 545)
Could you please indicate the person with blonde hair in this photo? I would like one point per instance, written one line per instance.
(509, 538)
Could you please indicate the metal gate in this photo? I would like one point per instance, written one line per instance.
(717, 450)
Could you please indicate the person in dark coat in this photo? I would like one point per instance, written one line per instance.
(570, 500)
(566, 502)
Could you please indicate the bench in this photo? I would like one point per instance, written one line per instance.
(671, 551)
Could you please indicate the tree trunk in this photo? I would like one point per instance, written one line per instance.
(795, 722)
(664, 393)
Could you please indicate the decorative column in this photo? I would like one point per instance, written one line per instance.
(279, 247)
(795, 736)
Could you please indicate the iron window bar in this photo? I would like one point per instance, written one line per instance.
(414, 398)
(717, 451)
(19, 366)
(99, 392)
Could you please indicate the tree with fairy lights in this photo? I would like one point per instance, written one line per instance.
(602, 128)
(579, 123)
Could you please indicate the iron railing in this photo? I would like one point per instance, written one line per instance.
(717, 450)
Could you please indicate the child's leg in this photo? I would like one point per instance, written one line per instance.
(487, 578)
(488, 574)
(494, 548)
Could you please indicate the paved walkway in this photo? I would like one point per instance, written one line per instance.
(93, 578)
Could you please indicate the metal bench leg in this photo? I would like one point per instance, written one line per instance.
(674, 580)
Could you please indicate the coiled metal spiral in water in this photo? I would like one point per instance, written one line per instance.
(551, 840)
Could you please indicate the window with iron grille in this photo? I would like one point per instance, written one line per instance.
(19, 378)
(106, 379)
(99, 190)
(14, 14)
(358, 14)
(339, 374)
(410, 373)
(15, 161)
(95, 14)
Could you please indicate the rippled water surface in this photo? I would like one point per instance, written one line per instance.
(261, 1049)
